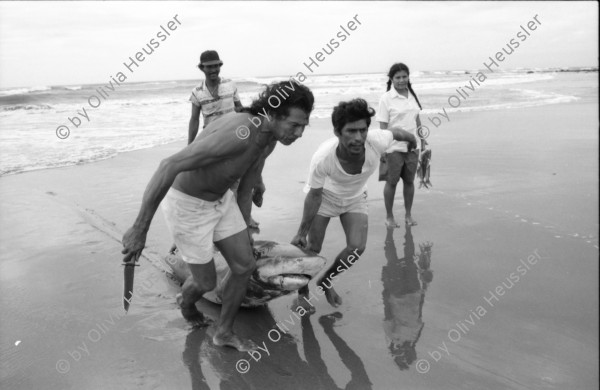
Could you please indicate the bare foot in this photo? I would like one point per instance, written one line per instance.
(409, 221)
(329, 319)
(303, 303)
(191, 314)
(332, 297)
(234, 341)
(253, 224)
(390, 222)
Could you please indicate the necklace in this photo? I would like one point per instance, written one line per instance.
(213, 90)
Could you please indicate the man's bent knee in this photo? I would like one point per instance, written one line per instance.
(244, 267)
(204, 283)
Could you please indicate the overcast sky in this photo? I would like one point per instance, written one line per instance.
(71, 43)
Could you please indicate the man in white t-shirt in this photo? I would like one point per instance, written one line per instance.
(336, 187)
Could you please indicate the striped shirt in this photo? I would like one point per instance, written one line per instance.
(212, 107)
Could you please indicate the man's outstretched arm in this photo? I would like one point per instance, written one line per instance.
(403, 135)
(312, 203)
(192, 157)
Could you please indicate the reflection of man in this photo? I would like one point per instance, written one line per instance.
(337, 187)
(201, 210)
(359, 377)
(228, 372)
(404, 286)
(213, 96)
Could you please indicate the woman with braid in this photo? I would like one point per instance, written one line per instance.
(399, 109)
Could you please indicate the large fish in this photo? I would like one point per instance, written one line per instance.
(424, 169)
(280, 270)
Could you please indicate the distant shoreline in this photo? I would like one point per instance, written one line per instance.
(569, 69)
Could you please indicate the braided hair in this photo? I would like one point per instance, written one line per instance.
(395, 69)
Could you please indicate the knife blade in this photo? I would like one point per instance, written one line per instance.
(128, 273)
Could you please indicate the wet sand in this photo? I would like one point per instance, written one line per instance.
(506, 300)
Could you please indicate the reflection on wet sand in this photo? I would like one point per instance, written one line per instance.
(191, 358)
(282, 368)
(279, 369)
(359, 378)
(405, 282)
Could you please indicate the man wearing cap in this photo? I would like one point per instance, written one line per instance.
(213, 96)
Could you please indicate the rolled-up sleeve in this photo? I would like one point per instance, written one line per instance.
(317, 174)
(380, 139)
(194, 100)
(383, 113)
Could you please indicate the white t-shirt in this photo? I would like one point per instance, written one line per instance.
(399, 112)
(326, 171)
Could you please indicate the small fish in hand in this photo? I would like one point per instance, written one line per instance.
(424, 169)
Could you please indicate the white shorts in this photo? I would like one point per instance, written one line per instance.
(196, 224)
(334, 206)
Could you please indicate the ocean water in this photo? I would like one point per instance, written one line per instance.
(52, 126)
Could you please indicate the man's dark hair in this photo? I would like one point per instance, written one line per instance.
(352, 111)
(278, 98)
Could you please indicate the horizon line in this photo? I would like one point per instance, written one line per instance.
(592, 67)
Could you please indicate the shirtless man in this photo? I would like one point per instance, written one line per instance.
(336, 187)
(201, 210)
(214, 97)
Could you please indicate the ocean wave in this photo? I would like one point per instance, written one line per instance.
(540, 99)
(421, 80)
(259, 80)
(150, 102)
(83, 152)
(539, 95)
(160, 82)
(26, 107)
(142, 116)
(497, 81)
(7, 169)
(23, 91)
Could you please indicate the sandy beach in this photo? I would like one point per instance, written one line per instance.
(511, 301)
